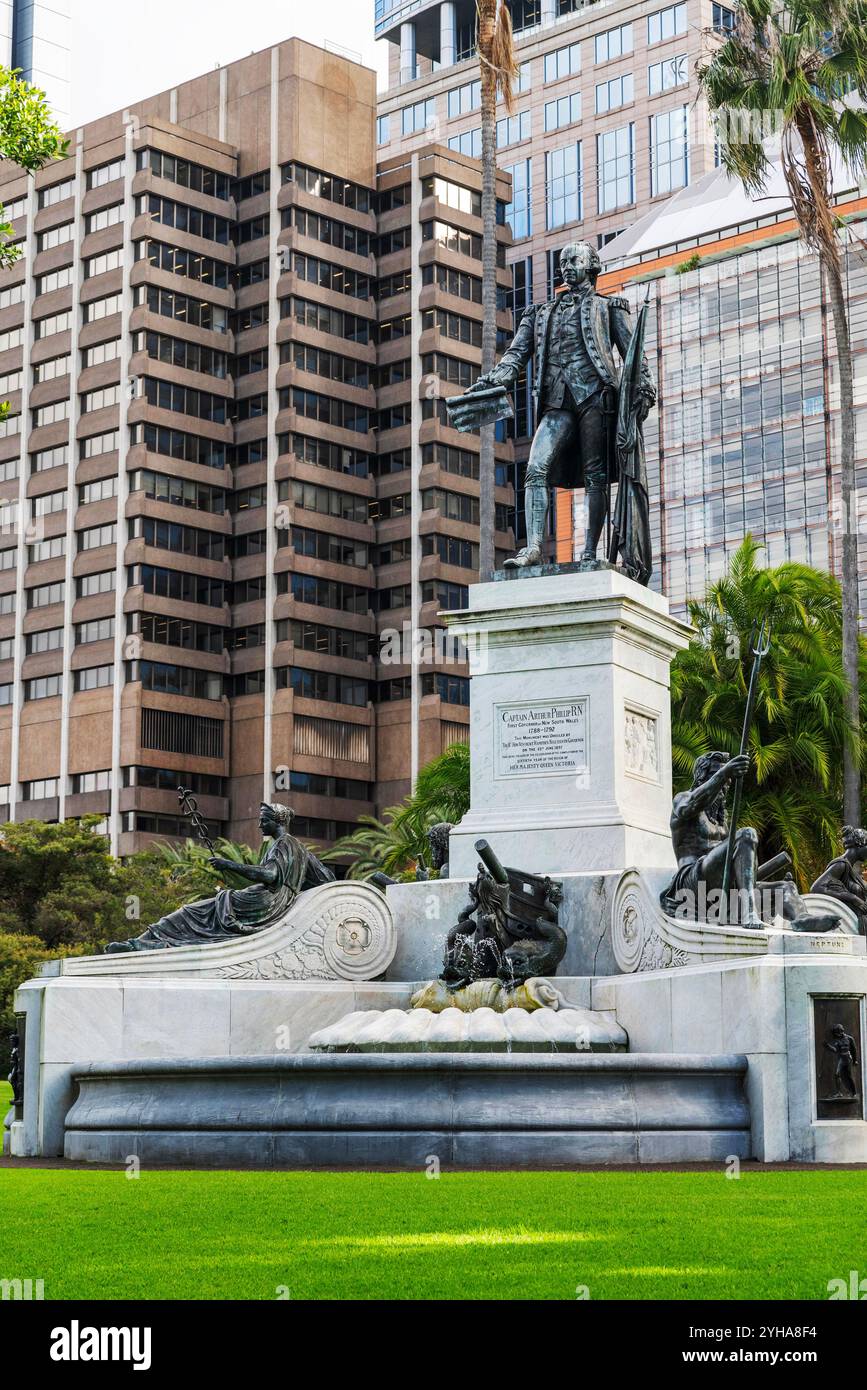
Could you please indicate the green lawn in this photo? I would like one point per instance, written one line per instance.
(195, 1235)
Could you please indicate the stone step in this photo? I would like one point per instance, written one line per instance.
(470, 1110)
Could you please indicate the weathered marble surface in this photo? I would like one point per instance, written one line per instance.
(643, 937)
(483, 1030)
(337, 931)
(762, 1007)
(425, 912)
(595, 641)
(524, 1110)
(74, 1021)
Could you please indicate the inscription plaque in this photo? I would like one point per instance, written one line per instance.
(541, 738)
(839, 1058)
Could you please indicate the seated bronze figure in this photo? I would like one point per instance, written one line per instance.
(287, 869)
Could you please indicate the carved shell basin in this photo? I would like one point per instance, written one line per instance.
(482, 1030)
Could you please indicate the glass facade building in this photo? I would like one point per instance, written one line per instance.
(745, 437)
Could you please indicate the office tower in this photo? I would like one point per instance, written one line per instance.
(745, 436)
(225, 349)
(35, 38)
(606, 122)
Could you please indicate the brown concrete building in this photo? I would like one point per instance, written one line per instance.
(607, 124)
(227, 471)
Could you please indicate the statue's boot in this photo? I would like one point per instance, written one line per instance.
(530, 555)
(597, 510)
(535, 510)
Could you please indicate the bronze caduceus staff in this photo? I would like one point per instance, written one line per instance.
(759, 650)
(190, 807)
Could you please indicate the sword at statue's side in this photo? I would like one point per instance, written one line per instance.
(759, 650)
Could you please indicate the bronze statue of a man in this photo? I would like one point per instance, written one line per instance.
(576, 387)
(699, 833)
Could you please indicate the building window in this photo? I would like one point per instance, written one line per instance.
(92, 782)
(99, 630)
(470, 143)
(669, 151)
(50, 414)
(418, 117)
(614, 43)
(52, 549)
(106, 217)
(14, 294)
(43, 687)
(617, 92)
(672, 72)
(56, 193)
(96, 309)
(563, 111)
(518, 213)
(511, 129)
(98, 265)
(106, 173)
(48, 640)
(464, 99)
(526, 14)
(383, 130)
(47, 371)
(55, 236)
(666, 23)
(563, 62)
(93, 678)
(615, 167)
(194, 176)
(724, 20)
(54, 280)
(563, 186)
(41, 789)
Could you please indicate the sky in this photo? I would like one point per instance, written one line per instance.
(124, 50)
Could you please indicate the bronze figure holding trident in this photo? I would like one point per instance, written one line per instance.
(712, 849)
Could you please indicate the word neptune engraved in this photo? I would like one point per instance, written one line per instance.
(541, 738)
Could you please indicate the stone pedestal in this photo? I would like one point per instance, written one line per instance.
(570, 723)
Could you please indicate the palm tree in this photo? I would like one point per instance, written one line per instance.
(798, 60)
(793, 792)
(396, 844)
(496, 53)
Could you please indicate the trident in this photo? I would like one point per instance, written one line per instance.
(759, 650)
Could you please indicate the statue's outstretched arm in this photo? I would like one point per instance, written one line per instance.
(256, 873)
(687, 805)
(516, 356)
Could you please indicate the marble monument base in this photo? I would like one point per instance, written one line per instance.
(569, 723)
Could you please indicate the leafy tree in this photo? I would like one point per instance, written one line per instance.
(396, 844)
(793, 792)
(63, 894)
(806, 62)
(20, 959)
(55, 880)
